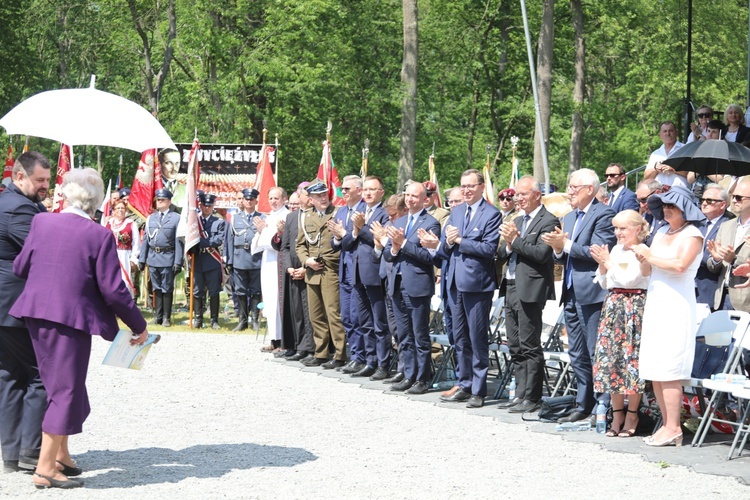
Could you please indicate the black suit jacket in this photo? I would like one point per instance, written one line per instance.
(535, 263)
(288, 244)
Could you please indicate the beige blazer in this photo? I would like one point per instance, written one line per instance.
(740, 297)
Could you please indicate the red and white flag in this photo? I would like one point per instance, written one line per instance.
(64, 164)
(489, 189)
(147, 181)
(106, 208)
(330, 176)
(264, 179)
(189, 226)
(9, 163)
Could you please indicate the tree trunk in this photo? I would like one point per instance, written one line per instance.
(576, 133)
(544, 83)
(409, 107)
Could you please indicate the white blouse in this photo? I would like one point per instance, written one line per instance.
(624, 271)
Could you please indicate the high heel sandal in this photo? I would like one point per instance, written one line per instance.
(70, 470)
(675, 440)
(630, 432)
(54, 483)
(611, 432)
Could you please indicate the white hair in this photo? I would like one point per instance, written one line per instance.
(586, 177)
(83, 189)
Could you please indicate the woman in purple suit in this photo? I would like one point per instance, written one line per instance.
(73, 291)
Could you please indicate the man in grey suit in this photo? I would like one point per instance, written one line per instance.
(23, 400)
(590, 223)
(528, 282)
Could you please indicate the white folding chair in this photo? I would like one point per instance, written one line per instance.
(719, 329)
(742, 393)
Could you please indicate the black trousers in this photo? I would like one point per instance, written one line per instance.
(523, 326)
(23, 400)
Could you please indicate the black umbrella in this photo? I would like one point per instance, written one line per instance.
(710, 157)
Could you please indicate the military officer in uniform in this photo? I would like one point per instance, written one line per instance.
(208, 263)
(163, 253)
(244, 266)
(321, 264)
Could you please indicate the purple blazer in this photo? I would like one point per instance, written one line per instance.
(73, 277)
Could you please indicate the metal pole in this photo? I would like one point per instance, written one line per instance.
(688, 107)
(747, 98)
(540, 128)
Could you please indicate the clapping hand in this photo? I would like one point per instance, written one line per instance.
(336, 228)
(451, 234)
(509, 232)
(280, 226)
(260, 224)
(378, 233)
(555, 239)
(720, 252)
(600, 254)
(358, 220)
(397, 237)
(428, 239)
(642, 252)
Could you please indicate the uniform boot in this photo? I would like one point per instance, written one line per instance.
(242, 302)
(197, 313)
(158, 308)
(214, 302)
(167, 304)
(254, 312)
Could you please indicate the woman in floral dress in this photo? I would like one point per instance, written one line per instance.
(616, 359)
(128, 242)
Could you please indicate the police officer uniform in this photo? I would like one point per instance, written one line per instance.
(163, 253)
(244, 266)
(207, 264)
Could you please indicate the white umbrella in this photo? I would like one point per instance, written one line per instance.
(87, 117)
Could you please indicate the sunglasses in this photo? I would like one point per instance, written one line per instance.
(739, 198)
(704, 115)
(645, 200)
(670, 206)
(612, 175)
(710, 201)
(506, 198)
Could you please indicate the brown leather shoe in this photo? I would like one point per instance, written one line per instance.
(450, 392)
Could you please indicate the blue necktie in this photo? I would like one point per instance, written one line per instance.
(568, 265)
(408, 225)
(467, 220)
(514, 256)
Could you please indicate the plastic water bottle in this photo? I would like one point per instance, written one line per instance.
(512, 389)
(729, 378)
(601, 418)
(583, 425)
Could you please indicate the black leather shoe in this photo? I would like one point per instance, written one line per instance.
(299, 356)
(380, 374)
(475, 402)
(166, 323)
(510, 403)
(364, 372)
(28, 462)
(403, 385)
(527, 405)
(352, 367)
(70, 470)
(574, 417)
(334, 363)
(11, 466)
(419, 388)
(314, 361)
(283, 354)
(215, 325)
(394, 379)
(458, 397)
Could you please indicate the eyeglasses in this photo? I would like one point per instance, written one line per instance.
(704, 115)
(574, 189)
(506, 198)
(710, 201)
(739, 198)
(612, 175)
(345, 189)
(645, 199)
(466, 187)
(455, 202)
(670, 206)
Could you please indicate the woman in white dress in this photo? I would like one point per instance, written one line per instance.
(669, 317)
(128, 241)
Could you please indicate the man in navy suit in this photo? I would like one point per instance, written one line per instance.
(369, 300)
(714, 206)
(620, 198)
(470, 241)
(343, 224)
(411, 284)
(590, 223)
(527, 283)
(208, 263)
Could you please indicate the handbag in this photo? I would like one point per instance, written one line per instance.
(709, 360)
(554, 408)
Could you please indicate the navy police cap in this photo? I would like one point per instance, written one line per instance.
(250, 194)
(163, 193)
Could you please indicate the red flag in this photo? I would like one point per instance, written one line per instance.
(264, 180)
(106, 207)
(147, 181)
(63, 167)
(327, 173)
(9, 162)
(189, 226)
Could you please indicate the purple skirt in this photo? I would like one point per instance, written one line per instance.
(63, 355)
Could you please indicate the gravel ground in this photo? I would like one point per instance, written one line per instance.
(210, 416)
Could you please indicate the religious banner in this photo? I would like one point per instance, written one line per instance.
(64, 164)
(9, 163)
(225, 169)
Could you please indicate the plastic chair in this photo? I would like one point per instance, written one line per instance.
(743, 426)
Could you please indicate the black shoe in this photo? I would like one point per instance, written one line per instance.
(475, 402)
(352, 367)
(364, 372)
(197, 323)
(27, 462)
(283, 354)
(380, 374)
(54, 483)
(510, 403)
(70, 470)
(215, 325)
(299, 356)
(242, 325)
(419, 388)
(11, 466)
(526, 406)
(334, 363)
(154, 321)
(395, 379)
(403, 385)
(574, 417)
(458, 397)
(166, 323)
(314, 361)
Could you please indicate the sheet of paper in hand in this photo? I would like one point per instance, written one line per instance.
(124, 355)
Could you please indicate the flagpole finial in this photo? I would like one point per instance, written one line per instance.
(329, 127)
(92, 85)
(195, 137)
(514, 142)
(433, 148)
(265, 131)
(121, 160)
